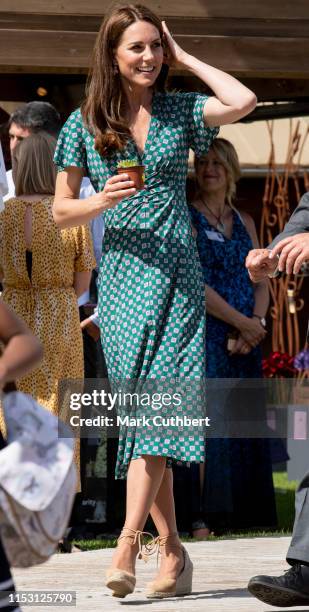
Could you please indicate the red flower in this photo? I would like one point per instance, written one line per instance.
(279, 364)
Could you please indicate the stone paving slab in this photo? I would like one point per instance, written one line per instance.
(221, 571)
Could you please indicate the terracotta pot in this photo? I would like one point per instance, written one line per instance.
(136, 174)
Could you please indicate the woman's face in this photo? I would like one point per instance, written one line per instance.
(210, 173)
(139, 55)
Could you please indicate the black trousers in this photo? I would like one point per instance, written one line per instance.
(299, 547)
(6, 581)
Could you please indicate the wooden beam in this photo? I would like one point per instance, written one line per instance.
(31, 21)
(279, 89)
(71, 52)
(21, 49)
(178, 25)
(277, 111)
(264, 9)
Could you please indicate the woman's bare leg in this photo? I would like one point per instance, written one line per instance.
(163, 508)
(143, 482)
(163, 515)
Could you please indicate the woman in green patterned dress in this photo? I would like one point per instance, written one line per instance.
(151, 308)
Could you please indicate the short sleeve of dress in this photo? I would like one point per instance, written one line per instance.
(200, 136)
(71, 150)
(84, 260)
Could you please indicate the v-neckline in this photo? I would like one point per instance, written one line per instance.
(141, 154)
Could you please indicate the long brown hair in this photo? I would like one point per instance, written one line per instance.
(103, 108)
(33, 168)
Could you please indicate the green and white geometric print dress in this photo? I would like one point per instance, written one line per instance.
(151, 290)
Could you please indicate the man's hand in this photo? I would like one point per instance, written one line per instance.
(260, 265)
(293, 251)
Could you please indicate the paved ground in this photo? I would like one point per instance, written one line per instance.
(221, 572)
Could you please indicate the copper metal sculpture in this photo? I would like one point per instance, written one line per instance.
(285, 298)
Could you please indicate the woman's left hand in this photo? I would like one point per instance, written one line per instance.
(175, 55)
(251, 330)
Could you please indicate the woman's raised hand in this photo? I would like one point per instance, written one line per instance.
(174, 53)
(116, 189)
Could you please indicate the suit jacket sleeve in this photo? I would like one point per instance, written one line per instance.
(298, 222)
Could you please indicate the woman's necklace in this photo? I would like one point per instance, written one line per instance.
(219, 225)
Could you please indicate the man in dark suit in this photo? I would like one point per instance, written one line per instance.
(287, 253)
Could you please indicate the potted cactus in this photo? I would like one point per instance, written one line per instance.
(135, 171)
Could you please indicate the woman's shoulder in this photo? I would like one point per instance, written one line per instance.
(245, 218)
(74, 120)
(175, 98)
(11, 204)
(194, 206)
(179, 95)
(246, 224)
(195, 214)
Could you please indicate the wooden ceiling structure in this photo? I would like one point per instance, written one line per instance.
(263, 42)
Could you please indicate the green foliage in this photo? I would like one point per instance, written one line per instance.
(128, 163)
(285, 500)
(281, 482)
(96, 544)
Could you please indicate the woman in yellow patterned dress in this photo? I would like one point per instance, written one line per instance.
(44, 269)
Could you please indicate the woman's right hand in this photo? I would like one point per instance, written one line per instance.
(251, 330)
(116, 188)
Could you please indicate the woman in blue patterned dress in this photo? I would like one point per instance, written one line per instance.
(151, 308)
(236, 309)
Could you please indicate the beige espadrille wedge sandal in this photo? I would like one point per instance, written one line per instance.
(169, 587)
(121, 582)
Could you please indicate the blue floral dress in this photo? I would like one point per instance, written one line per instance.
(223, 263)
(238, 470)
(151, 296)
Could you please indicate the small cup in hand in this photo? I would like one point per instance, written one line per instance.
(136, 174)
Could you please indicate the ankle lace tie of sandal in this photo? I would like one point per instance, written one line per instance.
(163, 540)
(145, 549)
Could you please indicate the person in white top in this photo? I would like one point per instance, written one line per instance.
(39, 116)
(28, 119)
